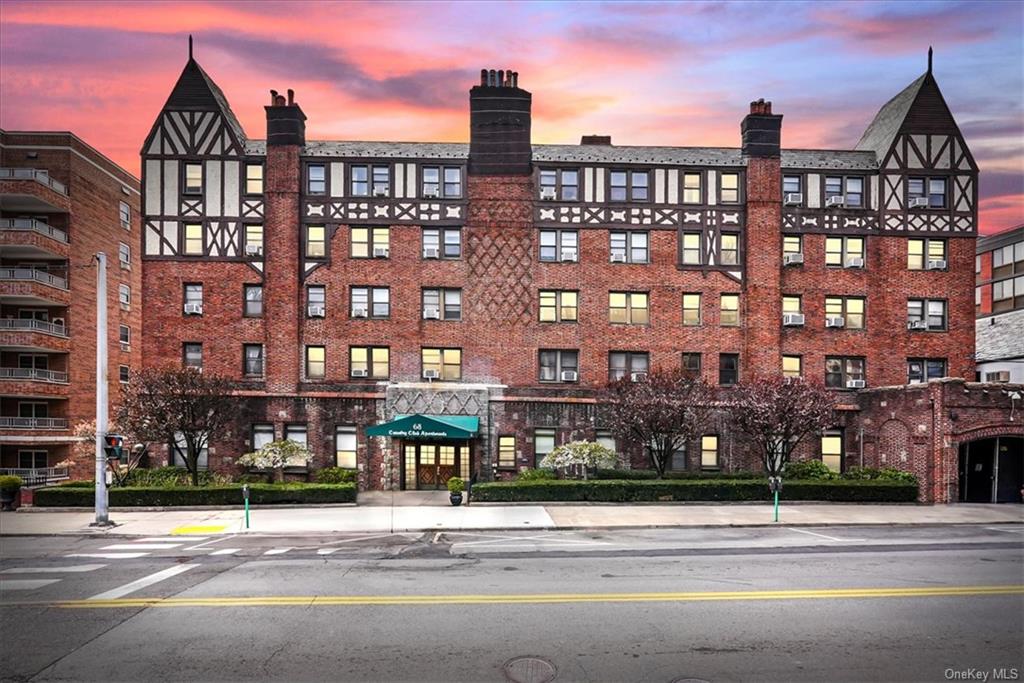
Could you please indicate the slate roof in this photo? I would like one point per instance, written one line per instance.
(886, 125)
(1000, 336)
(196, 91)
(597, 154)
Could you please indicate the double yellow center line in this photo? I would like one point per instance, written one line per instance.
(543, 598)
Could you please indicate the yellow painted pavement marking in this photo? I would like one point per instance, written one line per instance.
(193, 530)
(541, 598)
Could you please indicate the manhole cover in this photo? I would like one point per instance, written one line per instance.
(529, 670)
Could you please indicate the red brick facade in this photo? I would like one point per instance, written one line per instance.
(74, 220)
(500, 273)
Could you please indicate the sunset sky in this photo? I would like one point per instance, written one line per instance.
(644, 73)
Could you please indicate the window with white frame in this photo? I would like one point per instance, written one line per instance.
(543, 443)
(124, 295)
(125, 214)
(345, 447)
(124, 255)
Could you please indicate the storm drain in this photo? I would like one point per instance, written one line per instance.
(529, 670)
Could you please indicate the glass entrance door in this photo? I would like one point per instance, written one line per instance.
(429, 466)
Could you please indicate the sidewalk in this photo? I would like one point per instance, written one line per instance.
(381, 518)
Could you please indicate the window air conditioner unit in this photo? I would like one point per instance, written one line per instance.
(380, 191)
(855, 384)
(431, 314)
(855, 262)
(253, 250)
(792, 319)
(381, 252)
(315, 311)
(918, 202)
(431, 253)
(1000, 376)
(193, 309)
(359, 372)
(431, 194)
(835, 321)
(917, 325)
(618, 258)
(431, 374)
(637, 376)
(836, 200)
(792, 259)
(794, 199)
(569, 255)
(569, 375)
(547, 194)
(358, 312)
(938, 264)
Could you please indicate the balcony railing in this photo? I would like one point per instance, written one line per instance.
(34, 275)
(33, 325)
(33, 423)
(35, 374)
(31, 224)
(33, 476)
(38, 175)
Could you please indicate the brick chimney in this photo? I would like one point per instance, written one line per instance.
(762, 279)
(596, 140)
(761, 131)
(499, 125)
(282, 300)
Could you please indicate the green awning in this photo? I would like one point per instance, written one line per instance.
(428, 427)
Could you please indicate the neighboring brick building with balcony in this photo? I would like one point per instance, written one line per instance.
(61, 202)
(421, 310)
(999, 305)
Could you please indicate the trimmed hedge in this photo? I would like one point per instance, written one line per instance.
(231, 494)
(621, 491)
(634, 475)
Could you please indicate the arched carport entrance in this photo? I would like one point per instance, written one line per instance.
(991, 469)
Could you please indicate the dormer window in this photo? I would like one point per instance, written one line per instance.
(730, 190)
(792, 190)
(628, 186)
(562, 184)
(691, 188)
(360, 181)
(433, 187)
(845, 191)
(254, 178)
(381, 181)
(316, 179)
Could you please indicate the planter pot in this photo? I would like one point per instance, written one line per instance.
(455, 498)
(7, 497)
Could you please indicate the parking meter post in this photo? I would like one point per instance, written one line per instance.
(245, 496)
(776, 505)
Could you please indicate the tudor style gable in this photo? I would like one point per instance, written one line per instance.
(928, 177)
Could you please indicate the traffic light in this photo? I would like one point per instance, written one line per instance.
(113, 445)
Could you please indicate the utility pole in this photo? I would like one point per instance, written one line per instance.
(102, 518)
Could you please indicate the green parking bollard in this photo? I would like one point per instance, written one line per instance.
(245, 496)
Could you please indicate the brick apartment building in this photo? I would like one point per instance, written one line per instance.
(420, 310)
(61, 202)
(999, 304)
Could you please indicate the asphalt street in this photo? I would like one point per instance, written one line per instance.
(726, 604)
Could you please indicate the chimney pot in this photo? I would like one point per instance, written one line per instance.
(483, 76)
(501, 78)
(273, 97)
(291, 97)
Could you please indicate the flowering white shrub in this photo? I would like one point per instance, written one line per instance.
(585, 454)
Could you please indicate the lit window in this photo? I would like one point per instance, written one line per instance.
(193, 179)
(371, 242)
(730, 191)
(254, 178)
(628, 308)
(730, 313)
(691, 309)
(844, 252)
(730, 251)
(369, 361)
(850, 308)
(253, 240)
(791, 366)
(925, 253)
(791, 304)
(691, 188)
(345, 447)
(506, 452)
(792, 244)
(558, 306)
(193, 239)
(316, 241)
(709, 451)
(691, 248)
(832, 450)
(316, 362)
(443, 364)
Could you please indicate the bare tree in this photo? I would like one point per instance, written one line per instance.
(168, 405)
(662, 412)
(777, 413)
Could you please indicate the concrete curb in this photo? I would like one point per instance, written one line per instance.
(636, 527)
(188, 508)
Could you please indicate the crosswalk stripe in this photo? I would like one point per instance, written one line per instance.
(109, 556)
(176, 539)
(225, 551)
(139, 584)
(327, 551)
(141, 546)
(278, 551)
(24, 584)
(54, 570)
